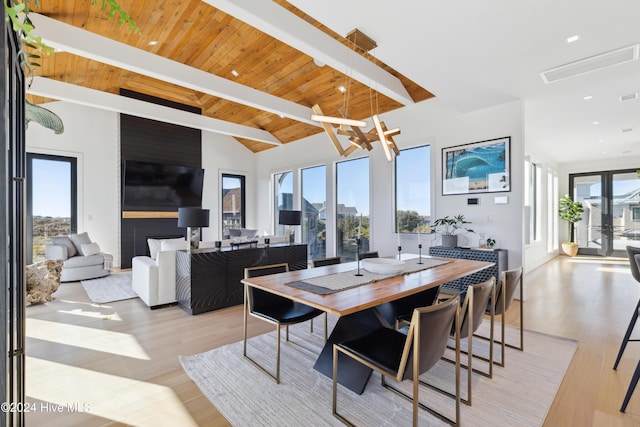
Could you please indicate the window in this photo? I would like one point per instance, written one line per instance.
(314, 202)
(352, 207)
(283, 195)
(51, 201)
(413, 189)
(233, 201)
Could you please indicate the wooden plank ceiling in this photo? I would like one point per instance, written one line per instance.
(196, 34)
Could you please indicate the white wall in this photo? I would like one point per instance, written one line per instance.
(427, 122)
(92, 136)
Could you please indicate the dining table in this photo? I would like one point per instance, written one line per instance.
(355, 295)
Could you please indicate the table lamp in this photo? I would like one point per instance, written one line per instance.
(290, 218)
(193, 219)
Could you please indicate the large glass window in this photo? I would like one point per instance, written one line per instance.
(314, 219)
(352, 207)
(233, 201)
(283, 195)
(51, 201)
(413, 189)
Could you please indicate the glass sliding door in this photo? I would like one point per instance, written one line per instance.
(51, 201)
(352, 207)
(314, 213)
(611, 219)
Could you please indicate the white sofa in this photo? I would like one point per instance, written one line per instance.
(82, 258)
(154, 277)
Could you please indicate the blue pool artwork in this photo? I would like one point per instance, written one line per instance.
(478, 167)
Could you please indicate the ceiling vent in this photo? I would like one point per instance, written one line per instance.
(629, 97)
(594, 63)
(625, 130)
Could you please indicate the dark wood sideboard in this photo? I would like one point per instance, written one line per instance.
(497, 256)
(209, 279)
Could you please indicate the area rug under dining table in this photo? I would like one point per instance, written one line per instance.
(519, 394)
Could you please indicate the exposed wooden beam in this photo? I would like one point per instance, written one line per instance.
(98, 48)
(107, 101)
(270, 18)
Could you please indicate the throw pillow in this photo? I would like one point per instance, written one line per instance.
(245, 232)
(235, 232)
(89, 249)
(66, 241)
(154, 247)
(79, 240)
(174, 245)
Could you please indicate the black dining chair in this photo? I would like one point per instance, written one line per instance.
(632, 252)
(325, 261)
(406, 356)
(274, 309)
(634, 264)
(365, 255)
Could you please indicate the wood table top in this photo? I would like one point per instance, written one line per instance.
(365, 296)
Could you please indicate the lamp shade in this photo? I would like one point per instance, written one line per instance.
(289, 217)
(193, 217)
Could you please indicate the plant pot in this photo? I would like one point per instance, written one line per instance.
(570, 248)
(449, 241)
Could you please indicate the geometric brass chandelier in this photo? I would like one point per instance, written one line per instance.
(351, 128)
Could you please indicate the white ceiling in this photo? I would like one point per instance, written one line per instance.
(475, 54)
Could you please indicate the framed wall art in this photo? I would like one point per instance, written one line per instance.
(479, 167)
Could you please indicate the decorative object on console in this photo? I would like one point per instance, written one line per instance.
(193, 219)
(450, 227)
(491, 242)
(291, 218)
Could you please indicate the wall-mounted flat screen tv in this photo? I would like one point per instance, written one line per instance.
(157, 185)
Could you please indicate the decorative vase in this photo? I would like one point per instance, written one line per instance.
(449, 240)
(570, 248)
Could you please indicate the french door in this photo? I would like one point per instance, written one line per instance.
(611, 219)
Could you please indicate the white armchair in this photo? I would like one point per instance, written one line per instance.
(154, 280)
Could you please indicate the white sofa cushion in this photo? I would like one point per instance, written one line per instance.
(89, 249)
(174, 245)
(66, 241)
(154, 247)
(83, 261)
(79, 240)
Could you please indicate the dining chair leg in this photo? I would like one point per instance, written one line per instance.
(627, 335)
(278, 352)
(632, 387)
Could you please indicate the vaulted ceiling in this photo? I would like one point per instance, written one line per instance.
(194, 34)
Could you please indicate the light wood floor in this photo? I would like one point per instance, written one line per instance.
(121, 359)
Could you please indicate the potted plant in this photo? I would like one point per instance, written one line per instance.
(450, 227)
(572, 212)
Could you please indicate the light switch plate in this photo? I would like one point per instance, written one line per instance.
(501, 200)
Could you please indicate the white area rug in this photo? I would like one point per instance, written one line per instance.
(518, 395)
(114, 287)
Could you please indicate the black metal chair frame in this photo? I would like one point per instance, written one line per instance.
(249, 310)
(634, 259)
(410, 360)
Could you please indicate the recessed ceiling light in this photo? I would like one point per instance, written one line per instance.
(595, 123)
(235, 73)
(342, 89)
(588, 97)
(153, 42)
(573, 38)
(629, 97)
(601, 140)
